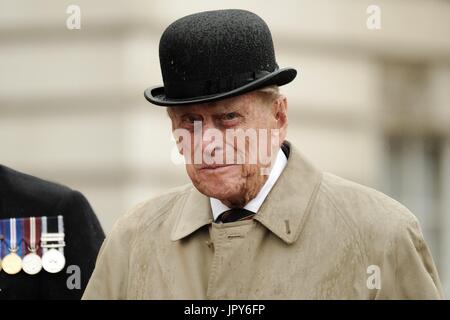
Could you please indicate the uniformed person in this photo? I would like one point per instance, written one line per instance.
(22, 197)
(253, 230)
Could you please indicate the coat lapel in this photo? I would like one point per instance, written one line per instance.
(194, 214)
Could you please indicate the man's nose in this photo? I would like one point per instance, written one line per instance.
(212, 139)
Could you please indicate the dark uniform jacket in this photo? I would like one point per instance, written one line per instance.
(22, 196)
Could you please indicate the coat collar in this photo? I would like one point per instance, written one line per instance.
(283, 212)
(194, 214)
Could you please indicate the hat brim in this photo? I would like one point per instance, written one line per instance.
(156, 94)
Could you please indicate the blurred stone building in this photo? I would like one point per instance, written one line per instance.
(370, 105)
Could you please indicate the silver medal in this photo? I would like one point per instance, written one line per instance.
(53, 261)
(32, 263)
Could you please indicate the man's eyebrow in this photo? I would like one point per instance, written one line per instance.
(231, 109)
(185, 114)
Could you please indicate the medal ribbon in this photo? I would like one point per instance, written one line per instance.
(61, 230)
(54, 225)
(19, 237)
(32, 233)
(2, 239)
(6, 232)
(13, 236)
(38, 235)
(44, 230)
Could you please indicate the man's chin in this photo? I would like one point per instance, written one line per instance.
(218, 189)
(221, 196)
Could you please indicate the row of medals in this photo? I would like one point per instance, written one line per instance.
(52, 261)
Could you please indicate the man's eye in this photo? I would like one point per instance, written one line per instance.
(230, 116)
(191, 119)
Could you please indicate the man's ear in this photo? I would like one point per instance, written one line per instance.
(280, 113)
(280, 110)
(180, 146)
(175, 134)
(179, 135)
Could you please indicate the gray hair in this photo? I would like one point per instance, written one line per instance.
(269, 94)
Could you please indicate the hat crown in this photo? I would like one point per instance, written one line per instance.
(213, 45)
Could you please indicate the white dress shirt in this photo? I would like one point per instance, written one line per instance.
(253, 205)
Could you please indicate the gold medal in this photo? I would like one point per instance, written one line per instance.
(12, 263)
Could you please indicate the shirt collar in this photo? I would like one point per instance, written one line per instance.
(253, 205)
(284, 212)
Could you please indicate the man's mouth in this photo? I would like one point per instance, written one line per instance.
(215, 166)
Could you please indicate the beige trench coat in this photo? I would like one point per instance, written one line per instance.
(316, 236)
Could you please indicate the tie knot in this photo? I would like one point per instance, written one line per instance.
(235, 214)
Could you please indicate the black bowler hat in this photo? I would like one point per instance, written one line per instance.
(214, 55)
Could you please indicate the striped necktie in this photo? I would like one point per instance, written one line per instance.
(236, 214)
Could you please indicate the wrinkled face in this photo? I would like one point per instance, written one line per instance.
(229, 145)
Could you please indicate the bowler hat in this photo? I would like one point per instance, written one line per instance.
(213, 55)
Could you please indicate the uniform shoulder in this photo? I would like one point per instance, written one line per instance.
(26, 188)
(366, 209)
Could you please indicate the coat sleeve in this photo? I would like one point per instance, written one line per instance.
(109, 281)
(408, 270)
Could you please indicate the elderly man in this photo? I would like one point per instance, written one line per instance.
(258, 221)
